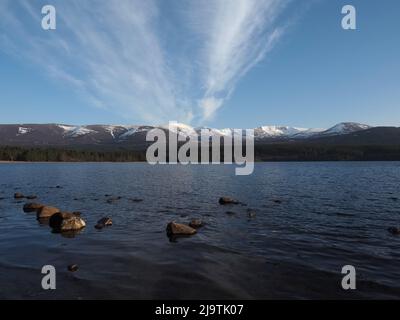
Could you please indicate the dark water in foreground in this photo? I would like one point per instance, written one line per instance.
(330, 215)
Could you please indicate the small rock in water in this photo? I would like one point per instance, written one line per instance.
(196, 223)
(394, 198)
(227, 200)
(277, 201)
(394, 230)
(136, 200)
(32, 207)
(66, 221)
(251, 214)
(231, 213)
(73, 267)
(31, 197)
(104, 222)
(178, 229)
(112, 200)
(18, 195)
(46, 212)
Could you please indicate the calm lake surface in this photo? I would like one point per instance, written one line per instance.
(328, 215)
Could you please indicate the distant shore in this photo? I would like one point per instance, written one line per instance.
(54, 162)
(280, 152)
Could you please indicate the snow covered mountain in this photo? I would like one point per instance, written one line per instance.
(345, 128)
(304, 133)
(284, 132)
(64, 135)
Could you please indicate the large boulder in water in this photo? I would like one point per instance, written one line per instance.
(178, 229)
(227, 200)
(32, 207)
(66, 221)
(46, 212)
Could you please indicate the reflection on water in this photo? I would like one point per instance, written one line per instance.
(301, 223)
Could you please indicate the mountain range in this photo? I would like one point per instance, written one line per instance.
(61, 134)
(61, 142)
(134, 136)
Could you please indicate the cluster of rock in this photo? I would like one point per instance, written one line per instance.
(58, 220)
(179, 229)
(66, 221)
(62, 221)
(175, 229)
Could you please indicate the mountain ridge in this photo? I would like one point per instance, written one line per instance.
(67, 143)
(268, 130)
(66, 135)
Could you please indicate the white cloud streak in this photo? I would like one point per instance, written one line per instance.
(122, 57)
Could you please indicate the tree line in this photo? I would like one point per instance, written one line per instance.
(68, 155)
(263, 152)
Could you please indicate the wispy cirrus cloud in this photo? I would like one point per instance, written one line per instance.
(141, 59)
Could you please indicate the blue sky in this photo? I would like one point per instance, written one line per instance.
(222, 63)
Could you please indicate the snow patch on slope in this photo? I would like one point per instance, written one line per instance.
(22, 130)
(180, 129)
(110, 130)
(75, 131)
(132, 130)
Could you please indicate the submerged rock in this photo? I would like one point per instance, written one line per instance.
(46, 212)
(227, 200)
(69, 234)
(66, 221)
(394, 230)
(277, 201)
(18, 195)
(112, 200)
(32, 207)
(251, 214)
(31, 197)
(196, 223)
(73, 267)
(136, 200)
(104, 222)
(231, 213)
(178, 229)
